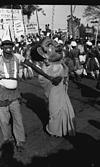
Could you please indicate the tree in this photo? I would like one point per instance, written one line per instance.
(92, 12)
(29, 9)
(26, 9)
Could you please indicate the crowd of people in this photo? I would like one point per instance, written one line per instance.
(56, 60)
(82, 57)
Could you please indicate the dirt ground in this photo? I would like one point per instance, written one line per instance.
(44, 150)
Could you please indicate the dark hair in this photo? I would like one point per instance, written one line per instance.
(35, 56)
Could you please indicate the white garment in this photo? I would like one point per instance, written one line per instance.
(1, 51)
(19, 57)
(9, 83)
(82, 58)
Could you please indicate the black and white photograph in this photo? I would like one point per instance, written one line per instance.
(49, 85)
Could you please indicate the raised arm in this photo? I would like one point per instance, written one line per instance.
(54, 80)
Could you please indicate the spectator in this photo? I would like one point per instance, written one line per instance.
(10, 65)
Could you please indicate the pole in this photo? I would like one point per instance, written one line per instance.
(38, 22)
(12, 20)
(53, 12)
(23, 21)
(71, 21)
(97, 34)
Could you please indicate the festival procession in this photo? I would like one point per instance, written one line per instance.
(49, 85)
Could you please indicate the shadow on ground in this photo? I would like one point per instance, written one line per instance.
(85, 150)
(95, 123)
(88, 90)
(85, 153)
(38, 106)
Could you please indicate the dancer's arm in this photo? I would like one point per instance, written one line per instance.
(54, 80)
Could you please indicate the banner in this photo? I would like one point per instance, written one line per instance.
(89, 30)
(6, 14)
(31, 28)
(7, 34)
(1, 33)
(19, 28)
(16, 25)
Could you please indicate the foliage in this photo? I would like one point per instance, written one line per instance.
(92, 12)
(26, 9)
(29, 9)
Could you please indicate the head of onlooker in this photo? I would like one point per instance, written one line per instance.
(7, 47)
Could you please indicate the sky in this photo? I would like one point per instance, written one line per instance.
(60, 16)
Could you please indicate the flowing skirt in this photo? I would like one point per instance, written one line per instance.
(61, 112)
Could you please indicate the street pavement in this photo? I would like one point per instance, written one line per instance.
(42, 149)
